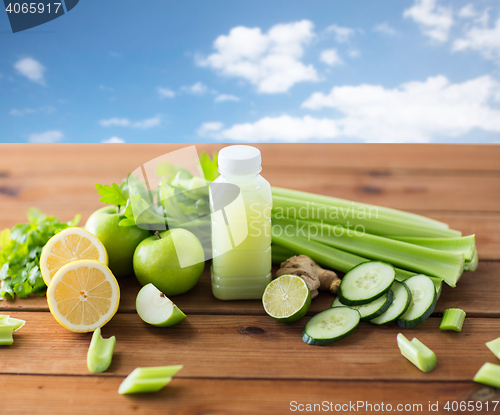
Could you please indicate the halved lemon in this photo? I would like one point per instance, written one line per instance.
(71, 244)
(287, 298)
(83, 295)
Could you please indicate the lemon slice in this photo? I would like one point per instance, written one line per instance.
(71, 244)
(83, 295)
(287, 298)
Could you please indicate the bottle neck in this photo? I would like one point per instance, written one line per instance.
(233, 178)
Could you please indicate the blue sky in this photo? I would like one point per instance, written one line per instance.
(273, 71)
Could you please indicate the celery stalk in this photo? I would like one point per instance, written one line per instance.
(417, 353)
(280, 254)
(148, 379)
(445, 265)
(471, 265)
(326, 255)
(356, 206)
(453, 319)
(489, 374)
(11, 321)
(465, 245)
(6, 338)
(494, 346)
(372, 221)
(100, 352)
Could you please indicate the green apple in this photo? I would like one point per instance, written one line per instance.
(119, 241)
(156, 308)
(156, 260)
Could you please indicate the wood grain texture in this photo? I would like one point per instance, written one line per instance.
(477, 299)
(64, 395)
(249, 347)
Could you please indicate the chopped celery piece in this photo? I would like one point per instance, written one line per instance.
(453, 319)
(100, 352)
(371, 219)
(6, 338)
(326, 255)
(11, 321)
(280, 254)
(489, 374)
(494, 346)
(355, 207)
(445, 265)
(148, 379)
(417, 353)
(464, 245)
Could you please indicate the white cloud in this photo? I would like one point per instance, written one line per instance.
(165, 93)
(354, 53)
(208, 129)
(468, 11)
(342, 34)
(385, 28)
(435, 21)
(482, 39)
(52, 136)
(46, 109)
(418, 111)
(225, 97)
(196, 89)
(271, 61)
(283, 128)
(114, 140)
(106, 88)
(125, 122)
(330, 57)
(31, 69)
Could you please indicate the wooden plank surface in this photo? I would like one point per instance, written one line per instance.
(236, 359)
(201, 396)
(250, 347)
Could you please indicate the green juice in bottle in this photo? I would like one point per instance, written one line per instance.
(240, 202)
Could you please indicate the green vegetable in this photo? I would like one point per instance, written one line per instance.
(464, 245)
(15, 323)
(371, 219)
(100, 352)
(453, 319)
(423, 301)
(325, 255)
(20, 249)
(489, 374)
(330, 325)
(441, 264)
(6, 338)
(417, 353)
(112, 195)
(355, 210)
(280, 254)
(148, 379)
(473, 263)
(494, 346)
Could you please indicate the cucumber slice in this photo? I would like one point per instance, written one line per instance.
(423, 301)
(366, 282)
(330, 325)
(371, 310)
(400, 303)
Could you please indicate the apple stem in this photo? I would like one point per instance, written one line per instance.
(118, 209)
(158, 234)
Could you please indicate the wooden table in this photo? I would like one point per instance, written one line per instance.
(237, 359)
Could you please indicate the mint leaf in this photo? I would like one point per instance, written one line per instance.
(111, 195)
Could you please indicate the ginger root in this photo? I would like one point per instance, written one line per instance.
(315, 277)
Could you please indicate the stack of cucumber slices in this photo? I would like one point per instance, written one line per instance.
(369, 292)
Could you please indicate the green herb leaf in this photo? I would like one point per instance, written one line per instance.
(111, 195)
(20, 250)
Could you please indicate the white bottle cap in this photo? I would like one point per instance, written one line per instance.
(239, 160)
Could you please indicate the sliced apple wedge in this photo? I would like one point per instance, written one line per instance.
(156, 308)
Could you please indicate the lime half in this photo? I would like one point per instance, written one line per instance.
(287, 298)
